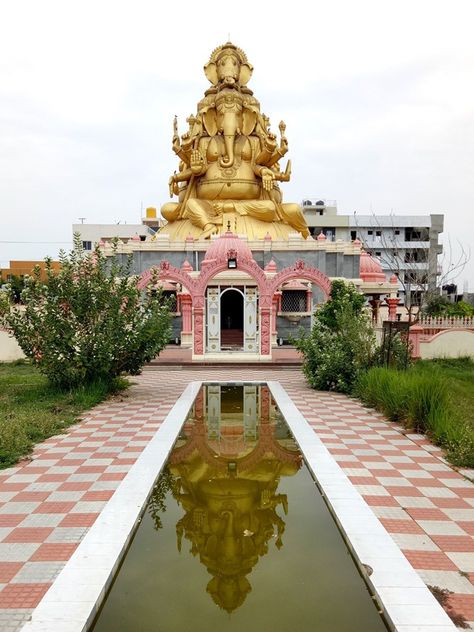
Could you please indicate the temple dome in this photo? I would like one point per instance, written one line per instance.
(219, 248)
(370, 269)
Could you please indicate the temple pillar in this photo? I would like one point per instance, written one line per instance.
(276, 303)
(375, 305)
(309, 297)
(198, 316)
(392, 307)
(265, 331)
(185, 302)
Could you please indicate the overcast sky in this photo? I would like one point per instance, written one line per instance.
(377, 95)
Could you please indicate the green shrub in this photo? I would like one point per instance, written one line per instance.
(341, 343)
(88, 322)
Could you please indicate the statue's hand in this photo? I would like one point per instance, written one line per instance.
(176, 144)
(267, 176)
(197, 161)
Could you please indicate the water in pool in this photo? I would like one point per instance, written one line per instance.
(236, 536)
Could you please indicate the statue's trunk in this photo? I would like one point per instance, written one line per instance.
(229, 126)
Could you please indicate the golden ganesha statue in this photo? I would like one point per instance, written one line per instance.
(229, 162)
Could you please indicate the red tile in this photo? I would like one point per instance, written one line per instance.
(425, 482)
(462, 604)
(91, 469)
(371, 458)
(380, 501)
(451, 503)
(402, 490)
(54, 507)
(71, 462)
(22, 595)
(30, 496)
(401, 526)
(113, 476)
(28, 534)
(420, 513)
(467, 526)
(37, 469)
(100, 495)
(118, 461)
(465, 492)
(446, 474)
(363, 480)
(11, 520)
(75, 487)
(78, 520)
(8, 570)
(13, 487)
(383, 473)
(430, 560)
(406, 466)
(454, 543)
(51, 552)
(53, 478)
(346, 464)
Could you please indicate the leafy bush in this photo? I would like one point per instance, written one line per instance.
(341, 342)
(89, 321)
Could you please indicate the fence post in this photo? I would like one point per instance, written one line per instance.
(414, 337)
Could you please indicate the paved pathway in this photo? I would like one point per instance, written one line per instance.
(47, 504)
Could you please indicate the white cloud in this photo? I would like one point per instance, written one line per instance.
(378, 98)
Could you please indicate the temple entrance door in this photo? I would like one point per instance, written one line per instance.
(213, 320)
(232, 319)
(250, 320)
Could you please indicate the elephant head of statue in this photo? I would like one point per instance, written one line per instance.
(228, 67)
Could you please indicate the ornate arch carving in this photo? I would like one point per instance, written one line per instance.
(167, 272)
(301, 271)
(219, 265)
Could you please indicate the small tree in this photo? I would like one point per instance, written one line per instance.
(341, 343)
(89, 321)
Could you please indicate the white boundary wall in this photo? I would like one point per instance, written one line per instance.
(450, 343)
(9, 349)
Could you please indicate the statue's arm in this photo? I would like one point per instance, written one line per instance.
(198, 160)
(179, 151)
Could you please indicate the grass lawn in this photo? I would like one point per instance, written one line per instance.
(31, 410)
(459, 375)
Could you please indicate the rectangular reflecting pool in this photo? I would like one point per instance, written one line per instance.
(236, 536)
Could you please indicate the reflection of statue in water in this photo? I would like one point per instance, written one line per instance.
(231, 505)
(229, 162)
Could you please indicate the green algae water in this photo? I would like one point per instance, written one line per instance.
(236, 536)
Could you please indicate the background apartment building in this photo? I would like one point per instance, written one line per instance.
(405, 245)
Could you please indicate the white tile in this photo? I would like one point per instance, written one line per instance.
(414, 542)
(464, 561)
(451, 580)
(440, 527)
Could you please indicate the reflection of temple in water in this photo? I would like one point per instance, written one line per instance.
(227, 466)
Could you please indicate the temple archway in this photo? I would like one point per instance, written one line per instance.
(232, 318)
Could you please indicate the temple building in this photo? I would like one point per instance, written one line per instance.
(244, 268)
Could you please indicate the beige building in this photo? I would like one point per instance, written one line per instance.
(406, 245)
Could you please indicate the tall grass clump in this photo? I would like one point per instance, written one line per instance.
(384, 389)
(421, 400)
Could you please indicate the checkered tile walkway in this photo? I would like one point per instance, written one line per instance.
(47, 504)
